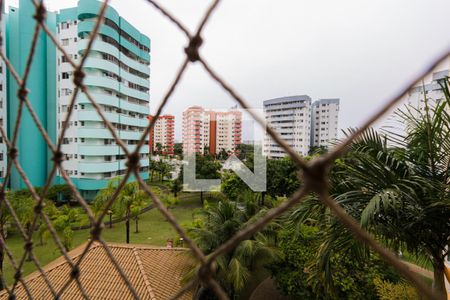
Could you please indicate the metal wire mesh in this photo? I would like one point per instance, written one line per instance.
(314, 172)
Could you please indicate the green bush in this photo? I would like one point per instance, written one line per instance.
(298, 275)
(394, 291)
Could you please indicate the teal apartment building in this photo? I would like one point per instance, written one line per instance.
(117, 75)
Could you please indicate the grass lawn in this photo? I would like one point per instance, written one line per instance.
(153, 230)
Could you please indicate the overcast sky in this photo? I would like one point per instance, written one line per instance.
(359, 51)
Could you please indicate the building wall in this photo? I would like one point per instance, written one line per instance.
(118, 77)
(3, 103)
(33, 151)
(212, 131)
(228, 131)
(290, 117)
(429, 89)
(163, 133)
(324, 122)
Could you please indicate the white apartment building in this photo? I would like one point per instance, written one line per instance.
(3, 104)
(212, 131)
(429, 89)
(324, 122)
(117, 75)
(290, 117)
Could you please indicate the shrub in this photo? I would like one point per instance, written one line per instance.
(394, 291)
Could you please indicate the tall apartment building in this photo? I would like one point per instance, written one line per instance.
(212, 131)
(290, 117)
(34, 156)
(3, 101)
(324, 122)
(117, 76)
(162, 135)
(430, 89)
(301, 123)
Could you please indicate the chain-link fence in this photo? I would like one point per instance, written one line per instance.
(314, 172)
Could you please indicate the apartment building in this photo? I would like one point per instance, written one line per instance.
(430, 88)
(161, 139)
(324, 122)
(117, 76)
(34, 156)
(301, 123)
(3, 102)
(211, 131)
(290, 117)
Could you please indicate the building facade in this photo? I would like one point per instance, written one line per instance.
(3, 101)
(34, 156)
(324, 122)
(290, 117)
(162, 135)
(211, 131)
(117, 75)
(301, 123)
(430, 89)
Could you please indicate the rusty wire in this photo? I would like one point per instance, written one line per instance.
(315, 172)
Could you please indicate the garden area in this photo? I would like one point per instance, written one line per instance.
(153, 229)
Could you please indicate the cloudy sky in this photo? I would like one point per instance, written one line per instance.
(359, 51)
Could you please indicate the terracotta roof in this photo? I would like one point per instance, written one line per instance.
(154, 272)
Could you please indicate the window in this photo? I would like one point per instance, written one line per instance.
(82, 140)
(81, 123)
(65, 25)
(64, 59)
(75, 40)
(66, 92)
(65, 75)
(1, 87)
(65, 42)
(1, 156)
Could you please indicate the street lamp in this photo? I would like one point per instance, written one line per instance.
(110, 217)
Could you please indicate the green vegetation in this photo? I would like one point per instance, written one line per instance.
(153, 229)
(220, 222)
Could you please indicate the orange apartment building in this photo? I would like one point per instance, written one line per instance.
(211, 130)
(162, 134)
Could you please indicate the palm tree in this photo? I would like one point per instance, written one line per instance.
(176, 186)
(396, 185)
(221, 222)
(129, 198)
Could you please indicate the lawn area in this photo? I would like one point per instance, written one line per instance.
(153, 230)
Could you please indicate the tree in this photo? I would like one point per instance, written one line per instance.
(223, 154)
(299, 276)
(159, 148)
(164, 169)
(176, 186)
(206, 168)
(104, 195)
(282, 177)
(178, 149)
(63, 222)
(219, 223)
(130, 197)
(396, 186)
(232, 185)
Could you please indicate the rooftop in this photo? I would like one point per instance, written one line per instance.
(154, 272)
